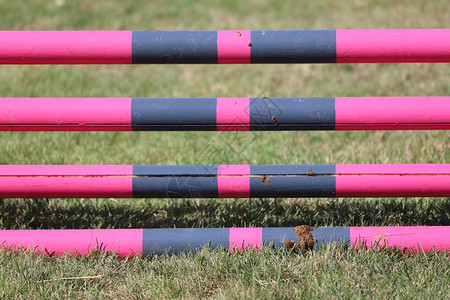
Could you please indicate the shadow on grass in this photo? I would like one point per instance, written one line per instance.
(54, 213)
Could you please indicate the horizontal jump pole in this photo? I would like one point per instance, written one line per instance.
(224, 114)
(225, 46)
(130, 242)
(224, 181)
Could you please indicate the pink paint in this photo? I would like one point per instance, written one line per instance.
(124, 242)
(65, 47)
(393, 186)
(392, 113)
(66, 187)
(393, 46)
(241, 238)
(233, 170)
(66, 170)
(233, 114)
(18, 181)
(393, 169)
(233, 181)
(411, 238)
(72, 114)
(233, 47)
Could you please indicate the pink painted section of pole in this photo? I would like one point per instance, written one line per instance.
(393, 46)
(66, 187)
(233, 181)
(65, 47)
(393, 169)
(392, 113)
(393, 186)
(124, 242)
(397, 180)
(18, 181)
(411, 238)
(233, 47)
(66, 170)
(241, 238)
(233, 114)
(80, 114)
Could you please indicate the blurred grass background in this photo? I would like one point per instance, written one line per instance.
(328, 273)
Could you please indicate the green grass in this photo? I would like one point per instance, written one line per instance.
(333, 272)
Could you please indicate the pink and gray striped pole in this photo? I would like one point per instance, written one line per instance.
(130, 242)
(225, 46)
(224, 114)
(224, 181)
